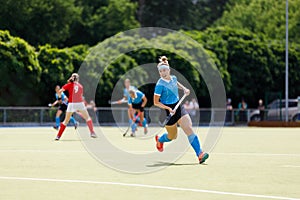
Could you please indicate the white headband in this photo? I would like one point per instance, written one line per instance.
(163, 67)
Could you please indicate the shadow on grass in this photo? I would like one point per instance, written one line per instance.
(162, 164)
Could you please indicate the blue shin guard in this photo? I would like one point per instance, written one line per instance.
(132, 125)
(194, 141)
(144, 123)
(57, 121)
(72, 119)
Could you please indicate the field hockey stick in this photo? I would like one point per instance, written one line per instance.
(133, 121)
(117, 102)
(171, 114)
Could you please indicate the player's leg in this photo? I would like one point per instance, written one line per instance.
(63, 125)
(136, 119)
(130, 113)
(166, 137)
(89, 121)
(132, 119)
(144, 122)
(73, 120)
(57, 119)
(185, 123)
(78, 113)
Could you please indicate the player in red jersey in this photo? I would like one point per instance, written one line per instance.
(76, 103)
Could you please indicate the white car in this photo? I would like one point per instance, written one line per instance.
(276, 111)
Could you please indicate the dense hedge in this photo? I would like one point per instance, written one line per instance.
(249, 64)
(20, 71)
(255, 64)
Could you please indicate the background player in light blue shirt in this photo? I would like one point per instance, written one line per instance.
(137, 101)
(127, 87)
(166, 97)
(126, 96)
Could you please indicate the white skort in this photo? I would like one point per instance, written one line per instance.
(73, 107)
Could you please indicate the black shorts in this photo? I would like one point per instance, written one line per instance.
(137, 106)
(180, 112)
(62, 107)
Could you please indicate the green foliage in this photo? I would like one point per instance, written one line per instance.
(102, 19)
(246, 45)
(78, 53)
(277, 68)
(255, 65)
(105, 65)
(263, 17)
(66, 22)
(19, 71)
(180, 53)
(57, 66)
(113, 73)
(39, 21)
(180, 14)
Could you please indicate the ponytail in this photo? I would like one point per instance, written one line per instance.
(163, 59)
(73, 78)
(163, 63)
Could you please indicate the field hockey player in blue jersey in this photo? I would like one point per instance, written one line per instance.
(166, 97)
(137, 102)
(126, 96)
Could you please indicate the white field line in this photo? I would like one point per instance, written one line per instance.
(259, 154)
(291, 166)
(144, 152)
(39, 151)
(136, 185)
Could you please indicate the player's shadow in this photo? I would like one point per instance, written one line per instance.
(165, 164)
(68, 140)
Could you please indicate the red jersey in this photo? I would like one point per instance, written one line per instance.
(75, 92)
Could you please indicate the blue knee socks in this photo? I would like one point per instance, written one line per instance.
(164, 138)
(57, 121)
(144, 122)
(133, 125)
(72, 119)
(194, 141)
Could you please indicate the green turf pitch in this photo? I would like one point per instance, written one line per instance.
(247, 163)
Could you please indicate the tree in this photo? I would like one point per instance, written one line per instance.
(179, 14)
(57, 66)
(101, 59)
(78, 53)
(255, 64)
(39, 21)
(20, 72)
(263, 16)
(102, 19)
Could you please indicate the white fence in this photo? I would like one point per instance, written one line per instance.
(108, 116)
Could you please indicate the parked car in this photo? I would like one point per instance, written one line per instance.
(275, 111)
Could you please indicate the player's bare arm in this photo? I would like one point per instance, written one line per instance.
(185, 90)
(159, 104)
